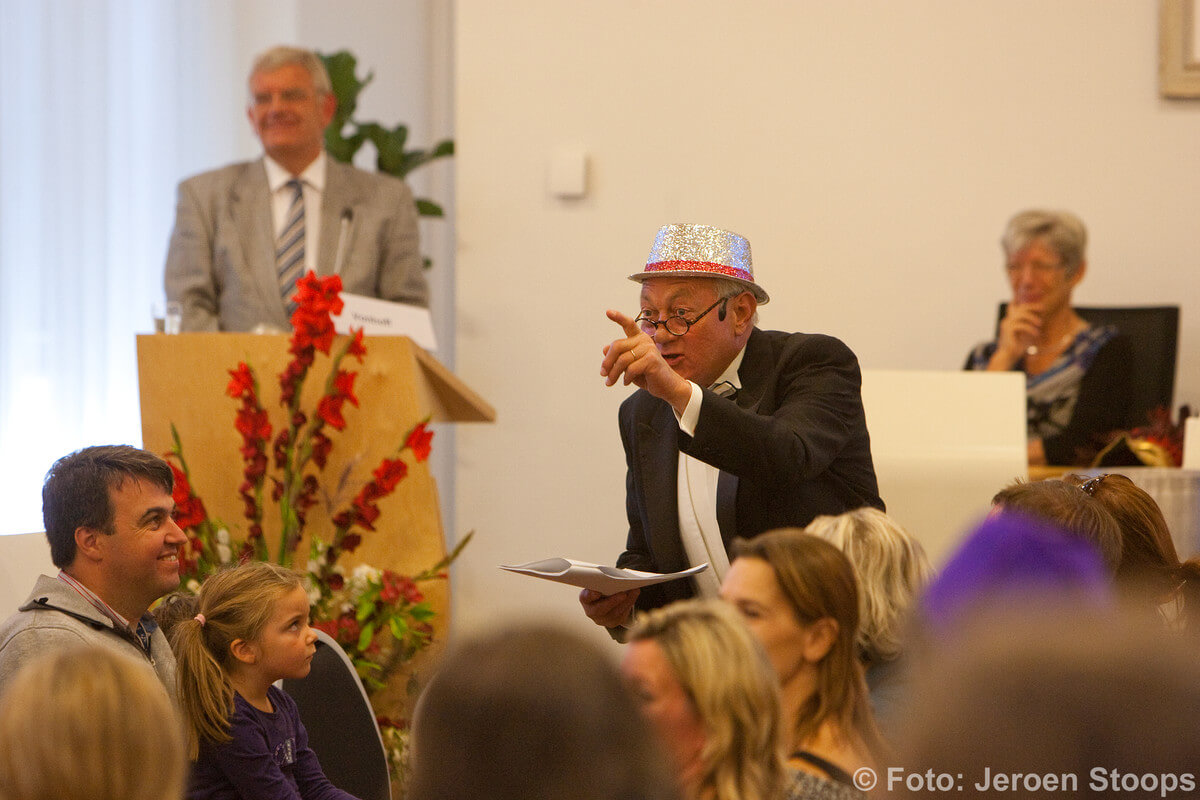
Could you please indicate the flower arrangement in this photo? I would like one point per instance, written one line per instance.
(379, 617)
(1157, 444)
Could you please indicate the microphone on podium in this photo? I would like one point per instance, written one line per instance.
(343, 229)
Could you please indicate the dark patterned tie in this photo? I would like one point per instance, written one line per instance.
(724, 389)
(289, 247)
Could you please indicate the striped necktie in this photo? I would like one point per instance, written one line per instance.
(289, 247)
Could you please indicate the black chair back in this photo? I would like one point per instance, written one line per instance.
(1153, 334)
(341, 724)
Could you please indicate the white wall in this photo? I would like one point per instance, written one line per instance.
(870, 151)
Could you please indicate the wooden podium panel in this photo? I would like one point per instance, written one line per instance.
(183, 379)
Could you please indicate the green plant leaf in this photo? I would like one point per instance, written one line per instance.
(365, 637)
(366, 608)
(399, 628)
(428, 208)
(421, 612)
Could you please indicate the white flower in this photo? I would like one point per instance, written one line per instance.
(223, 536)
(193, 586)
(360, 580)
(224, 553)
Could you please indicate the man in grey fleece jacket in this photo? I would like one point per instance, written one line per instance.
(109, 520)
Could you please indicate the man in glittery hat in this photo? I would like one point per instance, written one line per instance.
(734, 430)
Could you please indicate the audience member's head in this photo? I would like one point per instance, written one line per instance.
(708, 689)
(1149, 562)
(891, 568)
(233, 608)
(1040, 691)
(532, 713)
(80, 491)
(799, 596)
(108, 515)
(1071, 510)
(1010, 557)
(87, 723)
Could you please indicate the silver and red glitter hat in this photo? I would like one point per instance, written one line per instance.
(701, 251)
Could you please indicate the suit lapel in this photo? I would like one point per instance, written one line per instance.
(659, 463)
(341, 193)
(250, 207)
(752, 374)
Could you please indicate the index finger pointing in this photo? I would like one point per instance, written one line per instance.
(626, 322)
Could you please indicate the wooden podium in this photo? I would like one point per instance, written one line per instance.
(183, 378)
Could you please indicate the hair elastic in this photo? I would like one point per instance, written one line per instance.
(200, 618)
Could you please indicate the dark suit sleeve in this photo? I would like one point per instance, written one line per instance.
(1102, 407)
(637, 546)
(188, 276)
(818, 412)
(401, 274)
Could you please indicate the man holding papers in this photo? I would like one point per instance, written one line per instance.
(245, 232)
(734, 430)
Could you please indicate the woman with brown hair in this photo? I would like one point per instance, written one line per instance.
(1149, 567)
(799, 596)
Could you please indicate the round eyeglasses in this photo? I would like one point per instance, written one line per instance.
(678, 326)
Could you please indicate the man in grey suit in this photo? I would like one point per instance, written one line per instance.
(244, 233)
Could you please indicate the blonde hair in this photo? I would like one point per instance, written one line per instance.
(87, 723)
(725, 672)
(891, 568)
(235, 603)
(818, 582)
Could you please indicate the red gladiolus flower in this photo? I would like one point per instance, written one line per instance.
(365, 515)
(356, 347)
(335, 581)
(351, 541)
(389, 592)
(419, 440)
(190, 513)
(330, 410)
(389, 473)
(343, 385)
(321, 445)
(241, 381)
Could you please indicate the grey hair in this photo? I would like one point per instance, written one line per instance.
(283, 55)
(1062, 231)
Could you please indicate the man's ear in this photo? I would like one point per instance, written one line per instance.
(742, 308)
(89, 543)
(244, 651)
(819, 639)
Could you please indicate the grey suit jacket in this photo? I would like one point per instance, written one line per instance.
(221, 260)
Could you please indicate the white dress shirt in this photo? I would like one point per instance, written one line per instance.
(697, 488)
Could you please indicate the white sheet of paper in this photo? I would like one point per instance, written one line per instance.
(598, 577)
(384, 318)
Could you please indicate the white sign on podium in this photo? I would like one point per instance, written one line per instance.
(383, 318)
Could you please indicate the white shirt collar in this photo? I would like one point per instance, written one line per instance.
(730, 375)
(313, 175)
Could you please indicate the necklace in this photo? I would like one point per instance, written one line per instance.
(1033, 349)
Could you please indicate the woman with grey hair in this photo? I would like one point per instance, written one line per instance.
(1077, 381)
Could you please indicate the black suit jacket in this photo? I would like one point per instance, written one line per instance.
(791, 446)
